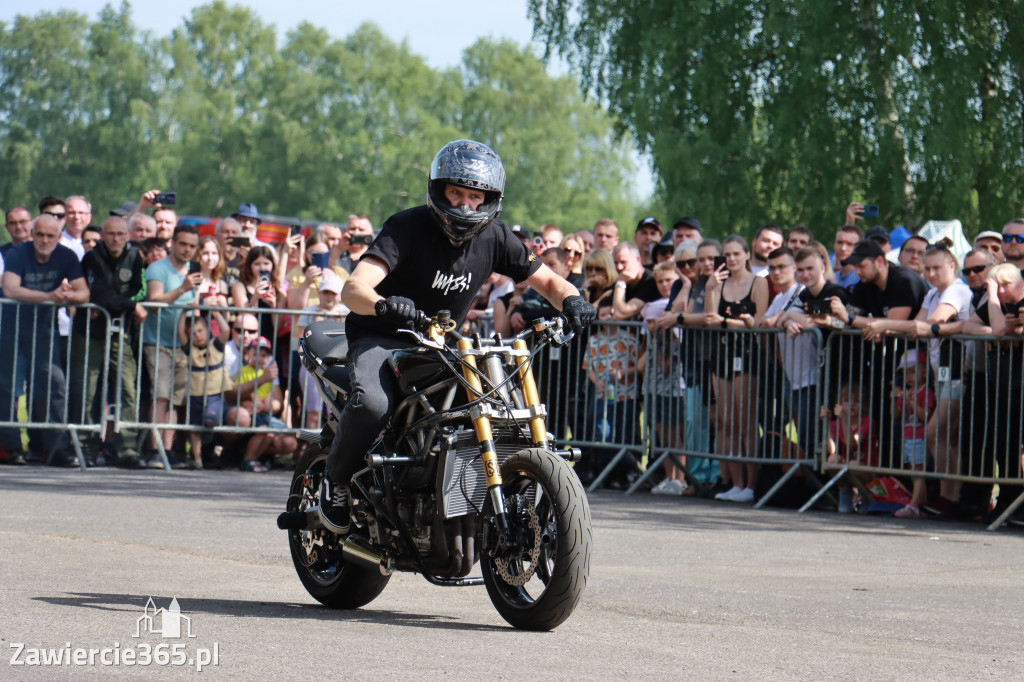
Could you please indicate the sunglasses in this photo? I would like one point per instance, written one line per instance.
(592, 268)
(239, 330)
(61, 216)
(574, 252)
(976, 270)
(688, 263)
(1019, 238)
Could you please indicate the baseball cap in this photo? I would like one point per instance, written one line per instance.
(126, 208)
(247, 211)
(688, 221)
(260, 343)
(912, 358)
(866, 248)
(877, 232)
(330, 282)
(649, 221)
(521, 232)
(988, 234)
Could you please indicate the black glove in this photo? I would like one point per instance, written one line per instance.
(577, 312)
(398, 310)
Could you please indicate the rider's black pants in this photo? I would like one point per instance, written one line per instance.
(374, 397)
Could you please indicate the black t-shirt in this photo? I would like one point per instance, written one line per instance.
(828, 291)
(646, 289)
(904, 288)
(425, 266)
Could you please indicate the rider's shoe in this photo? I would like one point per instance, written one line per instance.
(334, 507)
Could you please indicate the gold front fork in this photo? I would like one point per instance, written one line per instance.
(538, 429)
(481, 423)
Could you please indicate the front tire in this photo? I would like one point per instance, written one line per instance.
(317, 554)
(537, 583)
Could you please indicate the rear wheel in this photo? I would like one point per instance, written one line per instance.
(537, 580)
(317, 553)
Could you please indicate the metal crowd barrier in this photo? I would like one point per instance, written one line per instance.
(972, 391)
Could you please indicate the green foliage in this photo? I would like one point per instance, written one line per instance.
(785, 111)
(317, 127)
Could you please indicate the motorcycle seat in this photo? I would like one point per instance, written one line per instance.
(327, 340)
(339, 376)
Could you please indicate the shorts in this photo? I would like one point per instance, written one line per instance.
(167, 368)
(206, 410)
(915, 451)
(264, 420)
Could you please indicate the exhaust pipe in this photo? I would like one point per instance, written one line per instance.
(358, 551)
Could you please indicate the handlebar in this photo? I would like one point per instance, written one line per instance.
(551, 329)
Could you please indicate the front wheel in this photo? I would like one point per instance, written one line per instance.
(536, 581)
(317, 553)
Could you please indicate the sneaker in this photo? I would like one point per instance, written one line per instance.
(334, 509)
(154, 463)
(744, 496)
(663, 488)
(14, 458)
(130, 462)
(911, 511)
(729, 494)
(845, 501)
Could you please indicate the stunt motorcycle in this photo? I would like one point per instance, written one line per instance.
(464, 473)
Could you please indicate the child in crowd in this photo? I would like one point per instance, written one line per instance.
(661, 366)
(263, 406)
(328, 305)
(915, 400)
(852, 439)
(610, 362)
(208, 378)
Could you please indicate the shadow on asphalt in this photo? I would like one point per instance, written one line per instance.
(261, 609)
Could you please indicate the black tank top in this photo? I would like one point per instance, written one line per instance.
(723, 303)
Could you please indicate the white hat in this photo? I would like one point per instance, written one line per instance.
(330, 282)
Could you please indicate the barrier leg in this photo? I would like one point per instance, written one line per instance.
(77, 445)
(1006, 514)
(607, 470)
(651, 468)
(824, 489)
(778, 485)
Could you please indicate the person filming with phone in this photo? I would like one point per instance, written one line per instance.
(359, 233)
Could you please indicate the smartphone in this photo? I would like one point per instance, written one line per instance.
(538, 241)
(322, 259)
(719, 261)
(241, 241)
(360, 239)
(1011, 308)
(166, 198)
(295, 229)
(819, 307)
(194, 267)
(742, 308)
(870, 211)
(265, 276)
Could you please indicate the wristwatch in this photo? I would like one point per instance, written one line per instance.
(935, 330)
(679, 319)
(853, 316)
(380, 307)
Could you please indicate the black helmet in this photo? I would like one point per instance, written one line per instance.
(467, 164)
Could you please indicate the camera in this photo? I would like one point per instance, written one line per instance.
(360, 239)
(265, 276)
(719, 261)
(870, 211)
(538, 241)
(194, 267)
(819, 307)
(742, 308)
(166, 198)
(241, 241)
(322, 259)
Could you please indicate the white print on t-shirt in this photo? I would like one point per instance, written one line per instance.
(448, 282)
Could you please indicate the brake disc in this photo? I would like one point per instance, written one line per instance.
(505, 564)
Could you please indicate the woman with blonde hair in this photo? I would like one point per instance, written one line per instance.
(599, 275)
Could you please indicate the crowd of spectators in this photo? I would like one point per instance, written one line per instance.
(682, 322)
(218, 352)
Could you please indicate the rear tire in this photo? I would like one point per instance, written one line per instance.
(317, 554)
(538, 584)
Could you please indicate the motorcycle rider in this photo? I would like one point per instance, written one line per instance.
(432, 257)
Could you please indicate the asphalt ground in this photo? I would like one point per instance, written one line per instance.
(679, 589)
